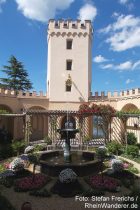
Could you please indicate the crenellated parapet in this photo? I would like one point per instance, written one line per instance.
(69, 28)
(122, 95)
(22, 94)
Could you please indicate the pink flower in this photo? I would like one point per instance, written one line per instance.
(104, 182)
(125, 165)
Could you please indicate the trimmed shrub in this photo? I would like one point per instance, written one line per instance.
(131, 139)
(101, 152)
(47, 140)
(114, 148)
(18, 147)
(132, 150)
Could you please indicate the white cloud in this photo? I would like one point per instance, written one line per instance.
(124, 33)
(123, 1)
(125, 66)
(115, 14)
(136, 65)
(42, 10)
(87, 12)
(127, 3)
(99, 59)
(128, 81)
(108, 66)
(2, 2)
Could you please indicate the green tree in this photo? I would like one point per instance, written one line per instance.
(17, 76)
(18, 146)
(131, 139)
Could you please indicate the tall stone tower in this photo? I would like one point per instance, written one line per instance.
(69, 60)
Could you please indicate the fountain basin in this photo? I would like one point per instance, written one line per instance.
(83, 163)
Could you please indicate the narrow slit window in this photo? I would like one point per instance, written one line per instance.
(69, 65)
(69, 44)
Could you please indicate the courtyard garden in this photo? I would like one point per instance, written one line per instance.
(21, 179)
(38, 173)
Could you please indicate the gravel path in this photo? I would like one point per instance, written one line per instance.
(54, 202)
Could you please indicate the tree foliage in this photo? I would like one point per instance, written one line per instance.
(131, 138)
(17, 76)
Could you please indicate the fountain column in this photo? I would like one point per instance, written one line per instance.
(67, 132)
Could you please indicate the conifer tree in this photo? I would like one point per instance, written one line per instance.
(17, 76)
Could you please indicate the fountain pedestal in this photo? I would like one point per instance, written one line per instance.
(67, 132)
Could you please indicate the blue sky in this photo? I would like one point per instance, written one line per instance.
(116, 40)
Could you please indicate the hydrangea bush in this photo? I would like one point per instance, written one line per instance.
(117, 165)
(17, 164)
(67, 176)
(101, 152)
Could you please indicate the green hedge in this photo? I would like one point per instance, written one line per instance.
(132, 150)
(114, 148)
(131, 139)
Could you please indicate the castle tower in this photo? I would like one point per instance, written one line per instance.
(69, 60)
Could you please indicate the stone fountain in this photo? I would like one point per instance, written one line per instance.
(67, 133)
(81, 162)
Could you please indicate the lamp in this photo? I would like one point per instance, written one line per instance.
(69, 80)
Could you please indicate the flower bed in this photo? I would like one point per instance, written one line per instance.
(31, 183)
(104, 183)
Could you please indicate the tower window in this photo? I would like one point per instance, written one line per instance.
(82, 25)
(69, 65)
(73, 25)
(68, 88)
(65, 25)
(69, 44)
(56, 24)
